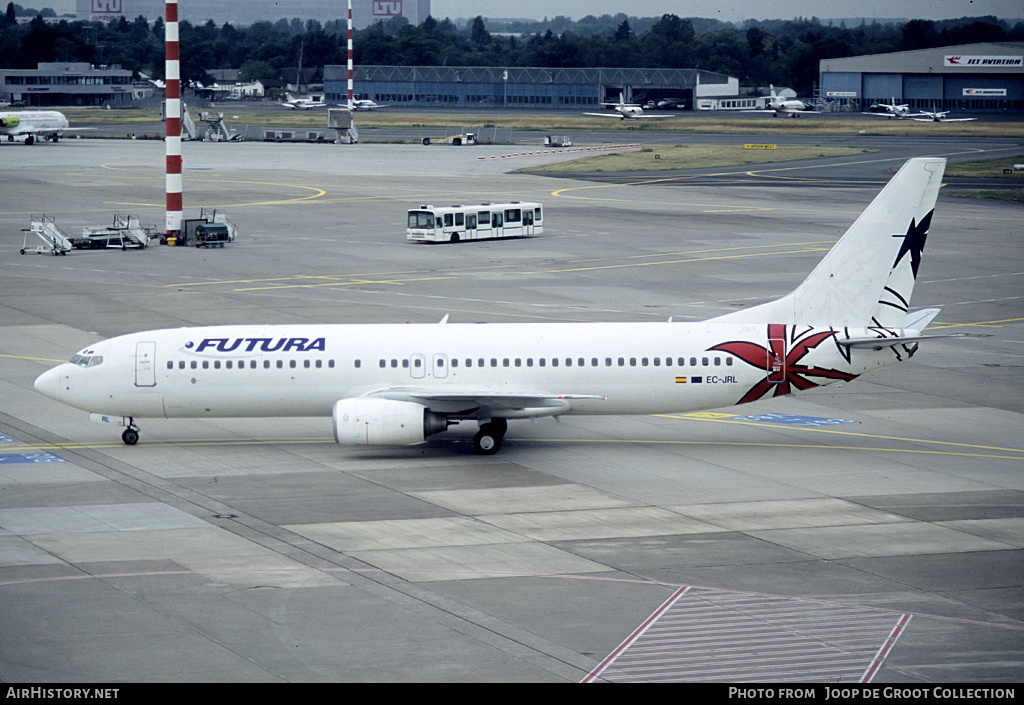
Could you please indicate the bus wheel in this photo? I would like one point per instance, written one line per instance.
(454, 238)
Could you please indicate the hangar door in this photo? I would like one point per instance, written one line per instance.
(883, 86)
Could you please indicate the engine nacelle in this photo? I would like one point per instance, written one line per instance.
(384, 422)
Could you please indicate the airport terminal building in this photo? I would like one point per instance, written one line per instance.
(969, 77)
(73, 83)
(522, 87)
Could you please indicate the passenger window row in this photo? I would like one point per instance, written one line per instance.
(564, 362)
(248, 364)
(417, 363)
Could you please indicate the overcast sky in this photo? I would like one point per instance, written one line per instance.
(731, 10)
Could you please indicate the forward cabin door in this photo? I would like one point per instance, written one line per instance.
(145, 364)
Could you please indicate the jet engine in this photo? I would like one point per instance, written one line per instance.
(10, 121)
(377, 422)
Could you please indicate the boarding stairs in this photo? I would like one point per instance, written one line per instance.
(218, 131)
(126, 232)
(55, 241)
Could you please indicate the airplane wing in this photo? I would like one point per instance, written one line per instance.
(482, 403)
(620, 116)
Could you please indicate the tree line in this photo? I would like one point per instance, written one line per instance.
(784, 52)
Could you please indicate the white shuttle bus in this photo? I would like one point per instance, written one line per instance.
(479, 222)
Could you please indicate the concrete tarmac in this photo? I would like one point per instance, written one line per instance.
(868, 531)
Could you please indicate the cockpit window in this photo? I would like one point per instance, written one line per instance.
(87, 360)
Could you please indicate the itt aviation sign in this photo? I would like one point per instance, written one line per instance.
(979, 61)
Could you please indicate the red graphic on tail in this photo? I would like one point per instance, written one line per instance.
(783, 372)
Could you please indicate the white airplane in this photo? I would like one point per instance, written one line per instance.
(366, 104)
(626, 111)
(294, 103)
(386, 384)
(780, 106)
(925, 116)
(892, 110)
(34, 125)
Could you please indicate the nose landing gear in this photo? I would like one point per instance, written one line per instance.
(131, 434)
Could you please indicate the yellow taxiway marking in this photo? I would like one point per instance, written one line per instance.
(310, 281)
(731, 419)
(958, 449)
(980, 324)
(35, 359)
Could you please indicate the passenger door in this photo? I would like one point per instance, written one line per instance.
(145, 364)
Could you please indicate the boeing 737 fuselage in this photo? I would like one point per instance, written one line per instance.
(33, 125)
(386, 384)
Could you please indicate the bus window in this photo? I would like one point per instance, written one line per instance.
(513, 215)
(447, 220)
(537, 217)
(485, 219)
(527, 217)
(470, 222)
(460, 220)
(421, 219)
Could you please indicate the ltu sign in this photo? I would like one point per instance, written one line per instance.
(105, 10)
(384, 10)
(107, 7)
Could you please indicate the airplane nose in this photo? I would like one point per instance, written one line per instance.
(48, 383)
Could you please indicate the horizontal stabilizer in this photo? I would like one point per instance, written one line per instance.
(919, 320)
(879, 343)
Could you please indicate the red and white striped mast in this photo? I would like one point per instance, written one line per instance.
(173, 141)
(351, 102)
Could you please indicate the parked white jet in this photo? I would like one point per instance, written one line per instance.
(892, 110)
(293, 103)
(925, 116)
(34, 125)
(627, 111)
(365, 104)
(389, 384)
(782, 107)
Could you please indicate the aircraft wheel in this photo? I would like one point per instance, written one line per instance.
(130, 436)
(426, 141)
(487, 442)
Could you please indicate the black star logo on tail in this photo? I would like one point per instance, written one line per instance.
(913, 242)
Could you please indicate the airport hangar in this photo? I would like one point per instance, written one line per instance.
(524, 87)
(979, 78)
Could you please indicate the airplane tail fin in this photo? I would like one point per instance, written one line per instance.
(867, 278)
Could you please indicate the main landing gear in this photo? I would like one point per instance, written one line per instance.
(131, 434)
(488, 440)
